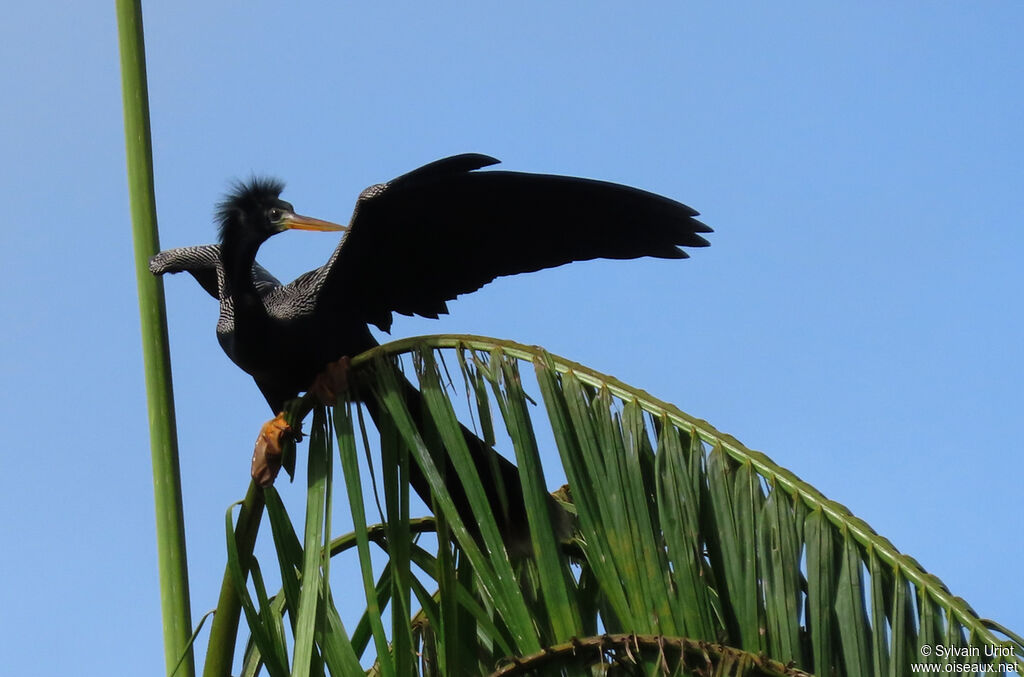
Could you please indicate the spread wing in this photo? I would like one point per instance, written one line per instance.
(203, 262)
(445, 229)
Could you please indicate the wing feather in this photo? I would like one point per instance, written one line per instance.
(203, 262)
(444, 230)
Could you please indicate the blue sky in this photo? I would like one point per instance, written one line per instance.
(857, 317)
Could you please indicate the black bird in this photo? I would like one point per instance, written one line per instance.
(412, 244)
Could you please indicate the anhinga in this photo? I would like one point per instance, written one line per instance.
(412, 244)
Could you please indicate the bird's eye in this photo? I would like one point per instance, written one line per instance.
(274, 214)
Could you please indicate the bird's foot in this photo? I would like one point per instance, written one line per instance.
(331, 382)
(266, 457)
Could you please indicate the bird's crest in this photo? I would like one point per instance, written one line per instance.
(245, 196)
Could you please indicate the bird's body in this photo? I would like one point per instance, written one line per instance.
(413, 244)
(263, 341)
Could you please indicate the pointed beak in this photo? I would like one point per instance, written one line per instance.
(299, 222)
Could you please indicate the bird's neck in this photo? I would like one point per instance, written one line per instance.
(238, 258)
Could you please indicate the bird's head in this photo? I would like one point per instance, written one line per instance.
(253, 211)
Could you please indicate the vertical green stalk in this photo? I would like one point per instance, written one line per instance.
(170, 528)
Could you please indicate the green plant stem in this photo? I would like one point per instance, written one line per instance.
(170, 529)
(224, 631)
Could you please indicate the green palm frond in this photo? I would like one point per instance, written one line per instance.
(691, 553)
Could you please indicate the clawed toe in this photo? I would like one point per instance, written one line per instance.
(331, 382)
